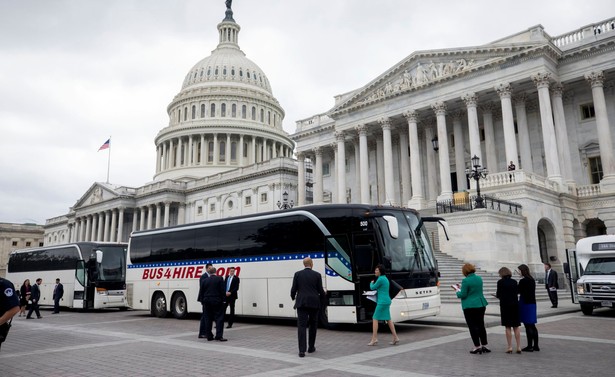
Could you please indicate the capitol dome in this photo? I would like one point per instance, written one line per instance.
(224, 117)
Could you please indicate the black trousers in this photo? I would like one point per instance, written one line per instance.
(33, 308)
(231, 315)
(307, 319)
(215, 312)
(475, 318)
(203, 324)
(552, 297)
(56, 305)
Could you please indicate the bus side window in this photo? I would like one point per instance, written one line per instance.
(364, 259)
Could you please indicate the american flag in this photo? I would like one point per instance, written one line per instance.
(106, 145)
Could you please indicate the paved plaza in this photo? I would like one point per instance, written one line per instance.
(114, 343)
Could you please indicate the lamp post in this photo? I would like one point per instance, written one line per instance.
(477, 172)
(284, 204)
(435, 144)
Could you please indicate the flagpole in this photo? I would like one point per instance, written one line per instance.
(109, 160)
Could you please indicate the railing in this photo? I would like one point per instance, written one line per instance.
(450, 206)
(584, 32)
(589, 190)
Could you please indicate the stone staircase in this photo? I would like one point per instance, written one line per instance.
(450, 273)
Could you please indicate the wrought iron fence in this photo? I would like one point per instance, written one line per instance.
(452, 205)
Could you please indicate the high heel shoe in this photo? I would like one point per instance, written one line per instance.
(518, 351)
(373, 343)
(509, 350)
(476, 351)
(394, 342)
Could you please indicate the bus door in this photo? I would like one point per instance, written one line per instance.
(80, 284)
(366, 258)
(571, 270)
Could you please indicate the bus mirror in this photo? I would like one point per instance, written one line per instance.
(99, 256)
(392, 225)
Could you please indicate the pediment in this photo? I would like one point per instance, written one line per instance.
(97, 193)
(421, 70)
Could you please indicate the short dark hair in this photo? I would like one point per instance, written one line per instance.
(547, 264)
(382, 269)
(231, 268)
(39, 279)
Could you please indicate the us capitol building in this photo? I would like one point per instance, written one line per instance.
(537, 112)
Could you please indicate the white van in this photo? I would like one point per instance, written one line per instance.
(596, 286)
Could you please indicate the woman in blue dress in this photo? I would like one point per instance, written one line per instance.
(383, 305)
(527, 308)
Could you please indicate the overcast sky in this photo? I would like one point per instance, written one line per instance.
(74, 73)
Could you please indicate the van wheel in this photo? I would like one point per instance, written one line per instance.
(179, 306)
(587, 309)
(159, 305)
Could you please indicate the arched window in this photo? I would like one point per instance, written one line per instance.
(216, 71)
(222, 151)
(193, 111)
(240, 72)
(179, 115)
(202, 110)
(212, 111)
(232, 71)
(253, 113)
(234, 110)
(262, 116)
(224, 71)
(243, 112)
(233, 151)
(223, 110)
(245, 150)
(248, 73)
(210, 151)
(269, 117)
(208, 71)
(186, 113)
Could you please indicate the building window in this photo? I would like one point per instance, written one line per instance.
(243, 112)
(262, 116)
(179, 115)
(193, 111)
(212, 112)
(223, 110)
(253, 113)
(222, 156)
(482, 134)
(199, 210)
(40, 244)
(202, 110)
(595, 169)
(264, 197)
(28, 244)
(186, 113)
(245, 150)
(269, 117)
(210, 152)
(233, 151)
(234, 111)
(248, 200)
(587, 111)
(325, 169)
(14, 243)
(212, 207)
(452, 142)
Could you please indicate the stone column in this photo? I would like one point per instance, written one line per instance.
(107, 226)
(510, 140)
(216, 150)
(548, 131)
(418, 198)
(228, 149)
(363, 163)
(387, 151)
(88, 228)
(158, 215)
(253, 159)
(158, 157)
(181, 214)
(135, 219)
(113, 226)
(99, 233)
(404, 166)
(525, 148)
(380, 185)
(318, 186)
(178, 153)
(202, 150)
(240, 161)
(432, 169)
(120, 225)
(150, 217)
(333, 171)
(190, 151)
(460, 164)
(473, 130)
(301, 179)
(142, 218)
(95, 220)
(356, 194)
(445, 166)
(596, 79)
(491, 161)
(167, 212)
(340, 137)
(561, 133)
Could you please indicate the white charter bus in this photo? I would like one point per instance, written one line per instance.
(93, 273)
(346, 242)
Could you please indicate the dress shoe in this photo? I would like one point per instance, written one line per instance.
(311, 350)
(554, 307)
(210, 339)
(229, 326)
(39, 317)
(527, 349)
(536, 348)
(477, 351)
(28, 317)
(221, 339)
(301, 354)
(55, 312)
(485, 349)
(202, 337)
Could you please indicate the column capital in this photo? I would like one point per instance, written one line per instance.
(504, 90)
(519, 99)
(340, 136)
(300, 156)
(459, 114)
(595, 78)
(317, 151)
(361, 129)
(385, 123)
(557, 89)
(471, 99)
(439, 108)
(487, 107)
(542, 79)
(411, 115)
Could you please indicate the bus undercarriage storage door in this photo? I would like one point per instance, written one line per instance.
(80, 283)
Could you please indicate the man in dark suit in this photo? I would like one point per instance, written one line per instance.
(213, 296)
(204, 319)
(35, 296)
(232, 286)
(551, 284)
(58, 293)
(307, 291)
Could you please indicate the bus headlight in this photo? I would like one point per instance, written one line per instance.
(580, 289)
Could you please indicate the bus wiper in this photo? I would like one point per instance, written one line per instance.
(431, 219)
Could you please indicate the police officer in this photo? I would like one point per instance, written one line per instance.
(9, 306)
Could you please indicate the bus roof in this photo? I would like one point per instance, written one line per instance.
(79, 244)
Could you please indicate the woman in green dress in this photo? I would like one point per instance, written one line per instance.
(383, 305)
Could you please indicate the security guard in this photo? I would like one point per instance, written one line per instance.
(9, 306)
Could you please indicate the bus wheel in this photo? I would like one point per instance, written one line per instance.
(159, 305)
(179, 306)
(587, 309)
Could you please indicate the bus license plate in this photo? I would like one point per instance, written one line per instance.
(425, 305)
(604, 304)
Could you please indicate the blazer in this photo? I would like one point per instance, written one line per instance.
(307, 289)
(213, 290)
(552, 280)
(527, 290)
(507, 291)
(35, 293)
(58, 292)
(233, 288)
(382, 286)
(202, 279)
(471, 293)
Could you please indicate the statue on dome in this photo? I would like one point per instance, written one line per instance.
(229, 11)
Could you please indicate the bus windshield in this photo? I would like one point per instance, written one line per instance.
(600, 266)
(113, 266)
(408, 252)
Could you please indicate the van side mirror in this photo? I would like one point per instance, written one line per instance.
(99, 256)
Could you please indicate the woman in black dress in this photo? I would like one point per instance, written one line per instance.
(507, 292)
(527, 308)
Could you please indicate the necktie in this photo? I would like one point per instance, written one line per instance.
(228, 284)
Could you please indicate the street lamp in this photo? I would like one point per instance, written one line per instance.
(477, 172)
(435, 144)
(285, 204)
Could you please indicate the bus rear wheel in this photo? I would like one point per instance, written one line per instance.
(179, 306)
(159, 305)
